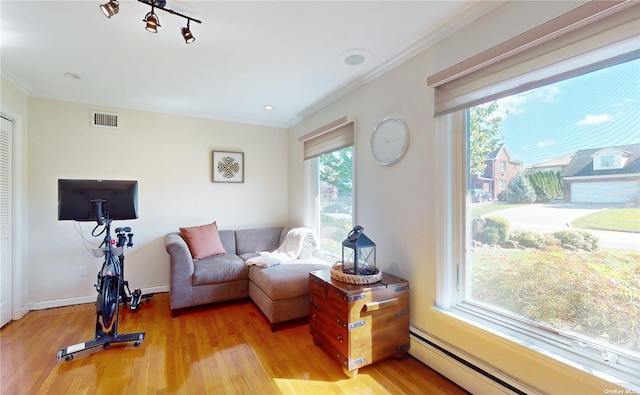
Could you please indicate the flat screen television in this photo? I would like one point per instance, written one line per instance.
(93, 200)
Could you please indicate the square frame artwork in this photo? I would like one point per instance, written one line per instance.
(228, 166)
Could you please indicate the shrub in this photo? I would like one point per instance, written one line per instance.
(488, 236)
(580, 239)
(501, 226)
(591, 242)
(570, 238)
(529, 239)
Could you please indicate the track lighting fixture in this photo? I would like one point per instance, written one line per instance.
(152, 21)
(186, 34)
(110, 9)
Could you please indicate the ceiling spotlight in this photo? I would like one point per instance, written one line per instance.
(153, 23)
(187, 35)
(110, 9)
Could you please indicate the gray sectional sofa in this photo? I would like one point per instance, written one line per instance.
(280, 291)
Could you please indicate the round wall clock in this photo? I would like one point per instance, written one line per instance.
(389, 141)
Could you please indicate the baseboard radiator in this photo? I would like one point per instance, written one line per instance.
(466, 371)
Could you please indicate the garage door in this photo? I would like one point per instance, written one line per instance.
(603, 192)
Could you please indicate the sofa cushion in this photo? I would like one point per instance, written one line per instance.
(228, 238)
(256, 240)
(219, 269)
(203, 241)
(287, 280)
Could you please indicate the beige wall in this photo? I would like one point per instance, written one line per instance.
(399, 205)
(170, 156)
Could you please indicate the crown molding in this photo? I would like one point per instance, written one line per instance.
(15, 81)
(456, 21)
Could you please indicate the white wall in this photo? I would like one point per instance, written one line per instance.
(398, 205)
(170, 156)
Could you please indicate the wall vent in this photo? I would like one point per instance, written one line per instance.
(105, 119)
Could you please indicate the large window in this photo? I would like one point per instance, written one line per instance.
(554, 261)
(561, 252)
(328, 152)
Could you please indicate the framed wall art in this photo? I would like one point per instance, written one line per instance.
(228, 166)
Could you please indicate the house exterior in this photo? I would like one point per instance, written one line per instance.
(501, 168)
(603, 175)
(554, 165)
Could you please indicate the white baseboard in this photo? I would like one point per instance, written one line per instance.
(48, 304)
(458, 372)
(5, 312)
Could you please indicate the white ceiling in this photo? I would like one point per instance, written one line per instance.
(246, 54)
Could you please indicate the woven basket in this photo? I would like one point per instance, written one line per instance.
(337, 274)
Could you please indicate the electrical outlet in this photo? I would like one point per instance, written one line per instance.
(82, 271)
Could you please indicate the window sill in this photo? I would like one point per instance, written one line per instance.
(329, 259)
(580, 354)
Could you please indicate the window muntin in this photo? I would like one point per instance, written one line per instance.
(334, 197)
(560, 285)
(606, 161)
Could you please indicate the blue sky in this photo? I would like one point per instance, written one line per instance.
(595, 110)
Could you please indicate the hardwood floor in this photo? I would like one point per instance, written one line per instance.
(218, 349)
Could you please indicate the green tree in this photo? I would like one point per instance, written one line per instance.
(484, 138)
(335, 168)
(521, 190)
(546, 184)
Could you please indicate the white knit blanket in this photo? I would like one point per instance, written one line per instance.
(288, 251)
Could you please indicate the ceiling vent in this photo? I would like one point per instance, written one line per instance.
(105, 119)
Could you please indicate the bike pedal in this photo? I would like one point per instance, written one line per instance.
(136, 297)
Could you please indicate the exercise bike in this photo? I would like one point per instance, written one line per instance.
(112, 289)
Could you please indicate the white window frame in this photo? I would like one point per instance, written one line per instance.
(331, 137)
(612, 363)
(592, 36)
(314, 203)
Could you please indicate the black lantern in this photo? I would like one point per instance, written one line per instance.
(358, 253)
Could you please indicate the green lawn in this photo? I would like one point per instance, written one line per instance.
(617, 219)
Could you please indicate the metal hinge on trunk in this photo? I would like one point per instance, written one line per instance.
(356, 324)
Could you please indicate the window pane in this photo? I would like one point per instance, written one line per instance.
(335, 187)
(558, 240)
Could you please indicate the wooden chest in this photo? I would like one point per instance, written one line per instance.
(359, 324)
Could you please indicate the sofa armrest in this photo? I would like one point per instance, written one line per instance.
(182, 269)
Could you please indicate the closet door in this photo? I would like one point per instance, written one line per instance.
(6, 281)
